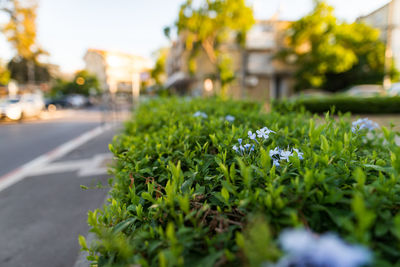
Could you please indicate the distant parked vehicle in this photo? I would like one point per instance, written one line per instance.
(53, 104)
(365, 90)
(25, 106)
(77, 101)
(394, 90)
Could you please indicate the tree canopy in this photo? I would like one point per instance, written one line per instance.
(20, 69)
(4, 75)
(20, 31)
(207, 25)
(83, 83)
(158, 72)
(330, 54)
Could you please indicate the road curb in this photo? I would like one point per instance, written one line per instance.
(24, 171)
(82, 260)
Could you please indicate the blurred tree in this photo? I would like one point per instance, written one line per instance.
(158, 72)
(83, 83)
(20, 31)
(21, 70)
(208, 26)
(333, 55)
(4, 75)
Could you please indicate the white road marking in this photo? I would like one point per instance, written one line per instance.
(41, 161)
(85, 167)
(96, 165)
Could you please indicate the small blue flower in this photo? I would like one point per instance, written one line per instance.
(299, 154)
(267, 131)
(362, 124)
(275, 162)
(285, 154)
(278, 154)
(264, 133)
(200, 114)
(275, 156)
(240, 141)
(238, 149)
(275, 152)
(230, 118)
(235, 148)
(247, 146)
(252, 135)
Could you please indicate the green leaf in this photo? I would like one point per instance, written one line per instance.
(225, 194)
(82, 243)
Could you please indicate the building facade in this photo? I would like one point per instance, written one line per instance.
(117, 71)
(387, 20)
(265, 76)
(259, 75)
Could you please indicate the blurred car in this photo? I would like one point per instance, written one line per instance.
(394, 90)
(365, 90)
(52, 104)
(77, 101)
(25, 106)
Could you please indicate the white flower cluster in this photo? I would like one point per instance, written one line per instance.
(362, 124)
(278, 154)
(200, 114)
(230, 118)
(241, 149)
(305, 248)
(261, 133)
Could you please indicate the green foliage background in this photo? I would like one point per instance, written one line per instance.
(333, 55)
(63, 87)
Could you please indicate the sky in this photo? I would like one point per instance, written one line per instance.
(67, 28)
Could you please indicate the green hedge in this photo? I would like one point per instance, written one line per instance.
(342, 103)
(181, 196)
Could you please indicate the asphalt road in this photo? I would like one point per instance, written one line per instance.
(20, 143)
(42, 215)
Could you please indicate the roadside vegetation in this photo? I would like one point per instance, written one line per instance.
(204, 183)
(341, 103)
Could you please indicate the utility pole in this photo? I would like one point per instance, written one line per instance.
(388, 51)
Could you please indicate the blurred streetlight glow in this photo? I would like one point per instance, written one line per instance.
(80, 81)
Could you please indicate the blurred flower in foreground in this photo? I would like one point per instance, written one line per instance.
(200, 114)
(304, 248)
(365, 123)
(230, 118)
